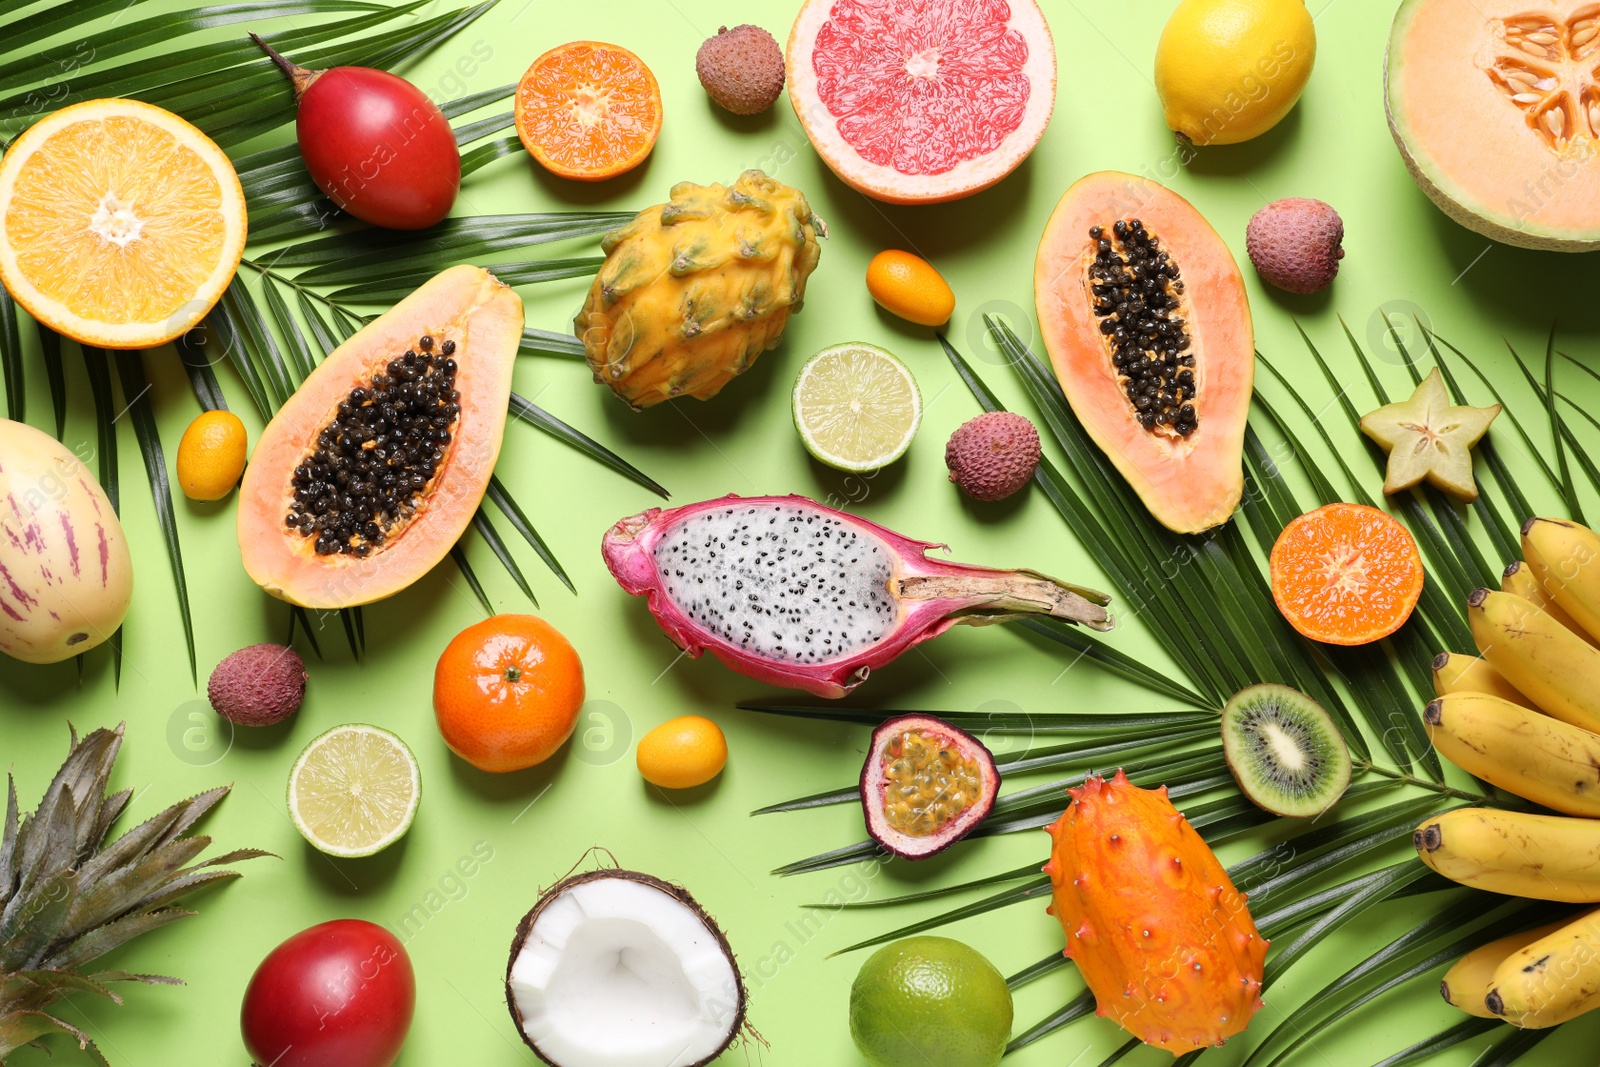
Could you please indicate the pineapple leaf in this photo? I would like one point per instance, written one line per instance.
(25, 1027)
(35, 919)
(103, 939)
(8, 843)
(129, 888)
(35, 989)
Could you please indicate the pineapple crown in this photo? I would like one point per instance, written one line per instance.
(67, 897)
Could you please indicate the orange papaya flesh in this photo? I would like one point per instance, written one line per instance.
(1192, 332)
(330, 512)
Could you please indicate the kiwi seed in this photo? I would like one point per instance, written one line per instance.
(1284, 750)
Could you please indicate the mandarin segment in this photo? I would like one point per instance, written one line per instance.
(1346, 574)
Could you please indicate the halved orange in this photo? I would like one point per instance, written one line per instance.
(1346, 574)
(120, 223)
(588, 110)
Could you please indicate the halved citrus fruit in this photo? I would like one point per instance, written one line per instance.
(1346, 574)
(120, 223)
(915, 103)
(588, 110)
(354, 790)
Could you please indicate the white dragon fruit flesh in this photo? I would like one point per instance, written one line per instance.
(789, 592)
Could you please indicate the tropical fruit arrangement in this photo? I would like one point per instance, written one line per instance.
(378, 341)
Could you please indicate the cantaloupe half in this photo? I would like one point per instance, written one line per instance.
(1495, 105)
(465, 305)
(1190, 481)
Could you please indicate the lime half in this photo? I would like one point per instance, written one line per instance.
(354, 790)
(856, 407)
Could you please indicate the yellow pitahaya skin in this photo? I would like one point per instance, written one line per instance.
(1159, 933)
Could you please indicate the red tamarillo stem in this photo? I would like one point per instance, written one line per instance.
(298, 75)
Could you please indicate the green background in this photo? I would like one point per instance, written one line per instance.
(1403, 256)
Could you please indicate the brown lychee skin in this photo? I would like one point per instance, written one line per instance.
(258, 686)
(994, 455)
(741, 69)
(1296, 244)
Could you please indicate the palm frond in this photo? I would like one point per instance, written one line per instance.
(136, 395)
(11, 359)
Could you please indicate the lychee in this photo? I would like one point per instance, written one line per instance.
(994, 455)
(258, 686)
(1296, 244)
(741, 69)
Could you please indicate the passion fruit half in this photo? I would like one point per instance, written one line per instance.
(926, 785)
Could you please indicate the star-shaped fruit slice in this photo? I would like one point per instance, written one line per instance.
(1429, 438)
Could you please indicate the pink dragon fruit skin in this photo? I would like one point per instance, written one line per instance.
(790, 592)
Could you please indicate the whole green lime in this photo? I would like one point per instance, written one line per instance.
(930, 1002)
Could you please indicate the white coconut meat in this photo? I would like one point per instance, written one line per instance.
(616, 969)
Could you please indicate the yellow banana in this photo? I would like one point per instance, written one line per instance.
(1551, 980)
(1545, 857)
(1455, 673)
(1524, 752)
(1468, 981)
(1555, 668)
(1565, 558)
(1525, 580)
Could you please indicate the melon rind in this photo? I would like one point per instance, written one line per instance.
(1434, 179)
(886, 183)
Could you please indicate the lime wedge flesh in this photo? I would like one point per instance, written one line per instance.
(354, 790)
(856, 407)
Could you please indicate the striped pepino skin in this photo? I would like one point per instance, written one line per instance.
(66, 577)
(1159, 933)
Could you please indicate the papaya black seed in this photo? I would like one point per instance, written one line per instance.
(371, 464)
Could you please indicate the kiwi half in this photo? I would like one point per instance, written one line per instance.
(1284, 750)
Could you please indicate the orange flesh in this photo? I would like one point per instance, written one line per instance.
(1189, 483)
(1500, 102)
(927, 784)
(484, 318)
(1346, 574)
(588, 110)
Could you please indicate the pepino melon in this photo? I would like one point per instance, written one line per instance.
(375, 466)
(1495, 105)
(1144, 315)
(66, 576)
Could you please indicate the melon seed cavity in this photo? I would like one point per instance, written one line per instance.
(375, 460)
(1137, 296)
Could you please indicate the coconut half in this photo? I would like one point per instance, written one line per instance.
(615, 968)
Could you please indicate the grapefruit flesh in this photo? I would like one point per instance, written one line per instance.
(922, 102)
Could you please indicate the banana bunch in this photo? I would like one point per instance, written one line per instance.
(1524, 715)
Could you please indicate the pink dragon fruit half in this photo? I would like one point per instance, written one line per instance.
(795, 594)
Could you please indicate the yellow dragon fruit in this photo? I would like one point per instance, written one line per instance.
(1153, 922)
(693, 290)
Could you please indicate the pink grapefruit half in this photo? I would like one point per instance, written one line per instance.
(921, 101)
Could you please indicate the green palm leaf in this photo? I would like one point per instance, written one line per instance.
(136, 395)
(11, 359)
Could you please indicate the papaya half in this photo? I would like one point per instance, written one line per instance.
(373, 469)
(1495, 106)
(1145, 318)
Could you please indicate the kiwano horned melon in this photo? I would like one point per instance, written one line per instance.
(66, 577)
(1145, 318)
(1164, 941)
(1495, 105)
(693, 290)
(375, 466)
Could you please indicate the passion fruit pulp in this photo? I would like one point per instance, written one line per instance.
(926, 784)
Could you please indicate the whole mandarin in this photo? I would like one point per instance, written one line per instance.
(506, 692)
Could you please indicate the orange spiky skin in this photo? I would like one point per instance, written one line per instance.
(1159, 933)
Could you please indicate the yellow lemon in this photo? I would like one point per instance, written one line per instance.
(683, 753)
(211, 455)
(1230, 70)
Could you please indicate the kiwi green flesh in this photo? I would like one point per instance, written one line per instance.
(1285, 751)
